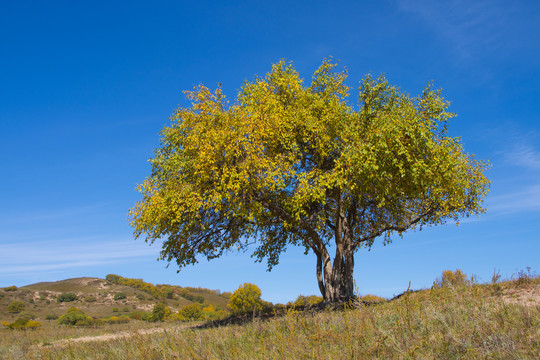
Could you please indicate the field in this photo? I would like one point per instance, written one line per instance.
(493, 321)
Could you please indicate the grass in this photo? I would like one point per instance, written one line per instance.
(462, 322)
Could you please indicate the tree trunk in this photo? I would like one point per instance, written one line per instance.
(336, 283)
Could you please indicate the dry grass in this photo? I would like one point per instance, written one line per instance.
(468, 322)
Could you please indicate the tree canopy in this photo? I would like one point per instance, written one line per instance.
(247, 298)
(287, 164)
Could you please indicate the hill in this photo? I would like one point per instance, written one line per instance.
(456, 318)
(102, 298)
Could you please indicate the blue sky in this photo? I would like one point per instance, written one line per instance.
(86, 87)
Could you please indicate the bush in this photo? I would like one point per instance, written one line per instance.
(26, 316)
(126, 309)
(75, 317)
(23, 323)
(10, 288)
(226, 294)
(167, 292)
(115, 309)
(246, 299)
(159, 313)
(15, 307)
(140, 297)
(119, 296)
(198, 298)
(371, 299)
(137, 315)
(51, 317)
(90, 299)
(525, 278)
(452, 278)
(116, 320)
(307, 301)
(190, 312)
(112, 278)
(66, 297)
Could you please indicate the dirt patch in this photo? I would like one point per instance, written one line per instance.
(120, 335)
(528, 295)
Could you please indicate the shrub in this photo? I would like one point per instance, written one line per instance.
(451, 278)
(525, 278)
(66, 297)
(112, 278)
(137, 315)
(10, 288)
(167, 292)
(119, 296)
(226, 294)
(115, 309)
(184, 293)
(116, 319)
(307, 301)
(211, 312)
(26, 316)
(32, 324)
(15, 307)
(159, 313)
(51, 317)
(247, 298)
(140, 297)
(191, 312)
(23, 323)
(371, 299)
(90, 299)
(198, 298)
(76, 317)
(126, 309)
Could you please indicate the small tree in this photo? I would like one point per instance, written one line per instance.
(15, 307)
(160, 312)
(247, 298)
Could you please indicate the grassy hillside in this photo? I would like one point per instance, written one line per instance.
(96, 297)
(451, 321)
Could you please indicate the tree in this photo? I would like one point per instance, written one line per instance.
(247, 298)
(160, 312)
(295, 165)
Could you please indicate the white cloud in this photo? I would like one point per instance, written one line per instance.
(73, 253)
(48, 214)
(525, 200)
(524, 155)
(472, 28)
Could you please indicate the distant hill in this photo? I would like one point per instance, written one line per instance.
(102, 297)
